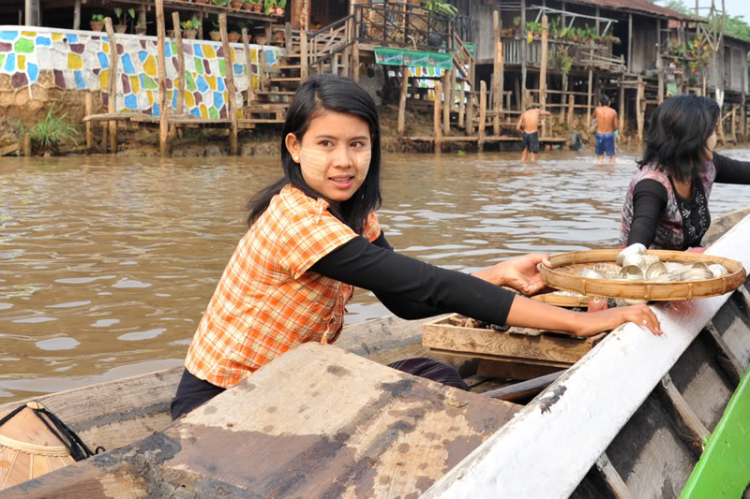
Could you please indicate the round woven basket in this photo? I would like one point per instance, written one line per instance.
(28, 449)
(566, 267)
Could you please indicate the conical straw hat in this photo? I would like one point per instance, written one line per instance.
(28, 449)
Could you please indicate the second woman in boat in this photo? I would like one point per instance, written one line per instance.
(314, 236)
(666, 206)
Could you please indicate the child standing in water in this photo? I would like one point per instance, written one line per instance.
(314, 236)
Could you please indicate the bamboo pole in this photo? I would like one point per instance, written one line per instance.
(527, 98)
(163, 111)
(621, 98)
(497, 73)
(446, 102)
(26, 145)
(461, 105)
(77, 15)
(181, 62)
(262, 81)
(482, 113)
(402, 101)
(355, 62)
(112, 92)
(303, 59)
(588, 97)
(524, 105)
(436, 116)
(248, 63)
(543, 73)
(89, 110)
(231, 89)
(105, 134)
(630, 42)
(734, 123)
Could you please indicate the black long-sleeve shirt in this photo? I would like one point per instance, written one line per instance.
(650, 198)
(410, 288)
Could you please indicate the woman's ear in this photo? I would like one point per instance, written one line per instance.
(293, 146)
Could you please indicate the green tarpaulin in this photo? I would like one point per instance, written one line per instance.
(402, 57)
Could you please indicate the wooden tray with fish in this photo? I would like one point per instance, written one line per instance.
(640, 274)
(563, 299)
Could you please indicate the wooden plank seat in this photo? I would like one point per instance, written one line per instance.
(113, 117)
(317, 421)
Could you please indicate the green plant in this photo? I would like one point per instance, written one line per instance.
(131, 11)
(118, 14)
(191, 24)
(221, 3)
(440, 7)
(97, 18)
(281, 3)
(517, 21)
(53, 131)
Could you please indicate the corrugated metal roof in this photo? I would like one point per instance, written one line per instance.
(636, 5)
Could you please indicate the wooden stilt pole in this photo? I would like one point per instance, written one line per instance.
(105, 134)
(446, 102)
(231, 89)
(162, 62)
(470, 111)
(248, 63)
(639, 107)
(303, 58)
(436, 117)
(564, 96)
(89, 112)
(734, 123)
(461, 104)
(543, 74)
(497, 74)
(181, 62)
(571, 107)
(527, 98)
(519, 95)
(26, 145)
(482, 113)
(402, 101)
(112, 92)
(355, 62)
(77, 15)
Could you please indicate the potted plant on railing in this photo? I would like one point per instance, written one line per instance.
(257, 6)
(440, 7)
(97, 22)
(236, 4)
(234, 36)
(215, 33)
(121, 26)
(247, 5)
(280, 6)
(140, 28)
(221, 3)
(533, 30)
(190, 27)
(260, 39)
(204, 2)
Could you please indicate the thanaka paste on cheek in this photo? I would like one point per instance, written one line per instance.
(362, 163)
(313, 163)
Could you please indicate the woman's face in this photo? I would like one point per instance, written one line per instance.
(334, 154)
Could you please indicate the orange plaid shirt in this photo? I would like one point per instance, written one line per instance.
(266, 301)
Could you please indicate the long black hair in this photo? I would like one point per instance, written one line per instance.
(319, 94)
(677, 135)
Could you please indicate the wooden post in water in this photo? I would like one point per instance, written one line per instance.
(112, 92)
(498, 81)
(470, 111)
(734, 123)
(248, 63)
(436, 117)
(26, 145)
(527, 99)
(543, 75)
(89, 109)
(482, 113)
(161, 60)
(588, 98)
(402, 101)
(231, 89)
(446, 102)
(181, 62)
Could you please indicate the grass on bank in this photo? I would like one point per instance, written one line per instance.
(53, 131)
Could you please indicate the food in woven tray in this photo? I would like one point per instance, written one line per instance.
(634, 265)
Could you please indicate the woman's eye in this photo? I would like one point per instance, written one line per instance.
(358, 144)
(326, 143)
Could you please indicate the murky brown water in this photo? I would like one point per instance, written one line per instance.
(106, 265)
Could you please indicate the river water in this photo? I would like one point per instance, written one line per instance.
(106, 264)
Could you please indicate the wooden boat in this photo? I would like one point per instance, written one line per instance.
(630, 419)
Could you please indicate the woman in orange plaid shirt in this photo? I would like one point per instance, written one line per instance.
(314, 236)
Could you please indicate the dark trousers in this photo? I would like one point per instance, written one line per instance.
(193, 392)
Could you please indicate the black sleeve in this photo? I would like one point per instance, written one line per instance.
(649, 199)
(412, 288)
(731, 171)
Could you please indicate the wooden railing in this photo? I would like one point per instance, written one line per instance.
(402, 25)
(324, 44)
(582, 54)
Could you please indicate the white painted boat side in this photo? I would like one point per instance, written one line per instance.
(547, 449)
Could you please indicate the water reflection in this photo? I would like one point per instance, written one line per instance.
(107, 265)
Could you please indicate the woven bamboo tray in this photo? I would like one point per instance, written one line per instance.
(566, 267)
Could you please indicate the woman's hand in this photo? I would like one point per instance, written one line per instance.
(595, 322)
(520, 273)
